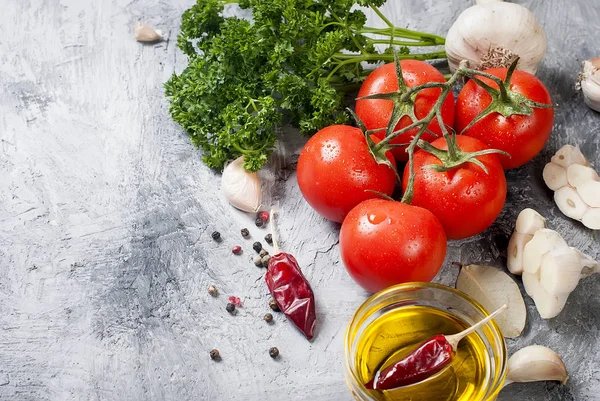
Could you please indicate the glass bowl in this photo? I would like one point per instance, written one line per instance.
(437, 296)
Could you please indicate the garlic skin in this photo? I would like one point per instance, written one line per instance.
(576, 186)
(589, 82)
(493, 34)
(146, 33)
(535, 363)
(240, 187)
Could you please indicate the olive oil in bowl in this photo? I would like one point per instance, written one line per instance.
(398, 332)
(393, 323)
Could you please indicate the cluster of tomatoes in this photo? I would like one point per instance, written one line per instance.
(385, 242)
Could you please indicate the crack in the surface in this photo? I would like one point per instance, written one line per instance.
(325, 252)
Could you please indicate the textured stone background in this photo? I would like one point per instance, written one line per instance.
(106, 212)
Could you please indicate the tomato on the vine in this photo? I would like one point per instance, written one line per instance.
(376, 113)
(465, 199)
(522, 136)
(335, 170)
(384, 242)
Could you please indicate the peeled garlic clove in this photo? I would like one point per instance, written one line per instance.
(548, 305)
(488, 35)
(555, 176)
(529, 221)
(515, 249)
(589, 80)
(535, 363)
(240, 187)
(568, 155)
(146, 33)
(578, 175)
(590, 193)
(570, 203)
(560, 271)
(544, 240)
(591, 218)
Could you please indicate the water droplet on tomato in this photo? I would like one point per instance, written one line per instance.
(376, 218)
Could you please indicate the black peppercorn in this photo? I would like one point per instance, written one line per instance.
(273, 305)
(257, 246)
(216, 235)
(230, 308)
(245, 233)
(273, 352)
(214, 354)
(269, 239)
(268, 318)
(259, 222)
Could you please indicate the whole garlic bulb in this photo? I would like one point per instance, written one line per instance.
(493, 34)
(589, 79)
(240, 187)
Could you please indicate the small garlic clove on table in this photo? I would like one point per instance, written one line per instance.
(240, 187)
(535, 363)
(146, 33)
(589, 80)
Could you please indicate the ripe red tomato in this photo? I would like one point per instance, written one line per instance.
(376, 113)
(335, 168)
(522, 136)
(465, 199)
(384, 242)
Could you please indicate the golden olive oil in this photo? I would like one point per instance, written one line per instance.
(399, 331)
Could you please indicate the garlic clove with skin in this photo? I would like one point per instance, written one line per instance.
(548, 305)
(570, 203)
(590, 193)
(492, 35)
(591, 218)
(568, 155)
(146, 33)
(578, 175)
(514, 257)
(589, 81)
(555, 176)
(560, 271)
(529, 221)
(240, 187)
(543, 241)
(535, 363)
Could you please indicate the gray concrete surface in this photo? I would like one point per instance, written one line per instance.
(106, 212)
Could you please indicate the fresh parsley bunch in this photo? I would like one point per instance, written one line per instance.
(293, 61)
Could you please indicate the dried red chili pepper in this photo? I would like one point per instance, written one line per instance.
(425, 361)
(290, 289)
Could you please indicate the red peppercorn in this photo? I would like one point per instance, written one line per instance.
(235, 300)
(236, 250)
(264, 216)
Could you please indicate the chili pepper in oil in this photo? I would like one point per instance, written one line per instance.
(425, 361)
(290, 289)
